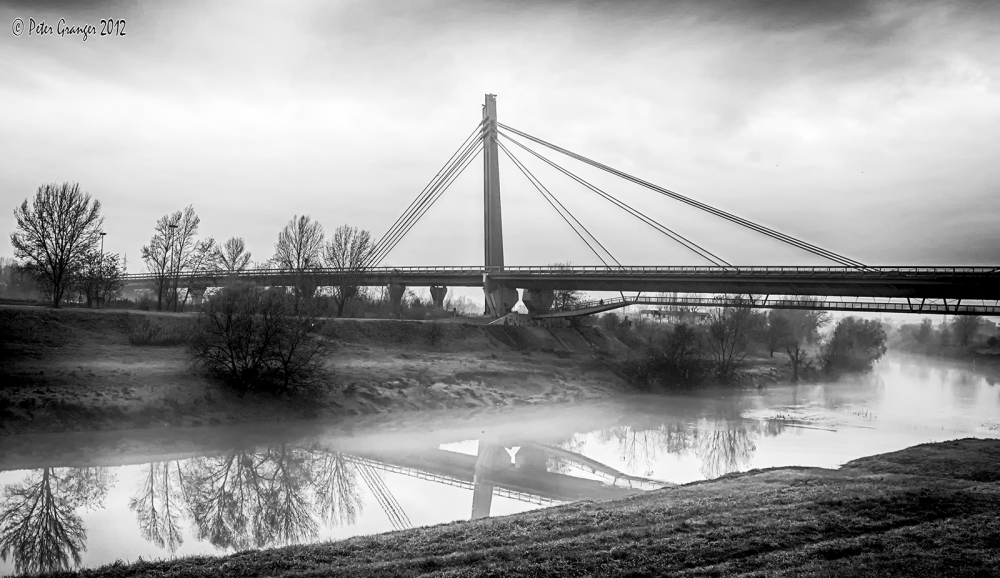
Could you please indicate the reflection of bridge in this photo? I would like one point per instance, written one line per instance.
(492, 472)
(946, 287)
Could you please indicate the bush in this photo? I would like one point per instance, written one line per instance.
(992, 341)
(140, 330)
(856, 344)
(256, 340)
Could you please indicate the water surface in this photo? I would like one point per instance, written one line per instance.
(79, 500)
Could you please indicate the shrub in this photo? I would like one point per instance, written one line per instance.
(256, 340)
(992, 341)
(856, 344)
(435, 334)
(141, 330)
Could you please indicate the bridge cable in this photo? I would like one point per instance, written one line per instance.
(788, 239)
(475, 136)
(427, 197)
(687, 243)
(435, 194)
(476, 131)
(547, 194)
(427, 192)
(450, 176)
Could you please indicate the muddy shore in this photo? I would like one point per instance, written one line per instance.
(73, 370)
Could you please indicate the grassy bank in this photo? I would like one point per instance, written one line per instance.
(929, 510)
(77, 369)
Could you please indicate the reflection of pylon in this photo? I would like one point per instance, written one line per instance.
(393, 510)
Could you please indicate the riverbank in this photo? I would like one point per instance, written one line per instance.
(76, 369)
(928, 510)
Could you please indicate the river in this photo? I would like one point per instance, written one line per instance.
(83, 500)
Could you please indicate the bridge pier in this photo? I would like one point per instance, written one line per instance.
(197, 296)
(396, 291)
(500, 299)
(438, 294)
(537, 300)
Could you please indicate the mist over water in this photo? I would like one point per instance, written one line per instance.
(250, 486)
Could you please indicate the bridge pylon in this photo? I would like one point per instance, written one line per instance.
(499, 299)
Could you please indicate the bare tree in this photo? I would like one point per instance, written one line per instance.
(171, 250)
(232, 256)
(563, 299)
(347, 253)
(200, 260)
(729, 330)
(776, 333)
(55, 233)
(298, 248)
(803, 329)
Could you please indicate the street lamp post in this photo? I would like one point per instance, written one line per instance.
(100, 273)
(170, 254)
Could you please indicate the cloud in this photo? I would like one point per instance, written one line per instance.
(825, 119)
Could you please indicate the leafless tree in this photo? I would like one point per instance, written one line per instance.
(171, 250)
(53, 235)
(254, 339)
(200, 260)
(347, 253)
(729, 330)
(803, 329)
(232, 256)
(776, 333)
(563, 299)
(299, 248)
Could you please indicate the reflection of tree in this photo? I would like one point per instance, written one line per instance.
(724, 451)
(248, 500)
(39, 526)
(289, 513)
(337, 491)
(157, 505)
(639, 447)
(559, 465)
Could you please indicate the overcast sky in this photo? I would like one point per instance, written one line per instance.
(871, 129)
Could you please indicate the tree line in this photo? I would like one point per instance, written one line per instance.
(715, 349)
(58, 249)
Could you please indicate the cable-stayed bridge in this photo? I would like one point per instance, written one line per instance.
(844, 284)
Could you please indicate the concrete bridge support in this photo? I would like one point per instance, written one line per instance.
(197, 296)
(500, 300)
(396, 291)
(537, 300)
(438, 294)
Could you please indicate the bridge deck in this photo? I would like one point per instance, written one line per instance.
(887, 281)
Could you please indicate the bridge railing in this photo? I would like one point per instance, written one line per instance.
(978, 307)
(784, 271)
